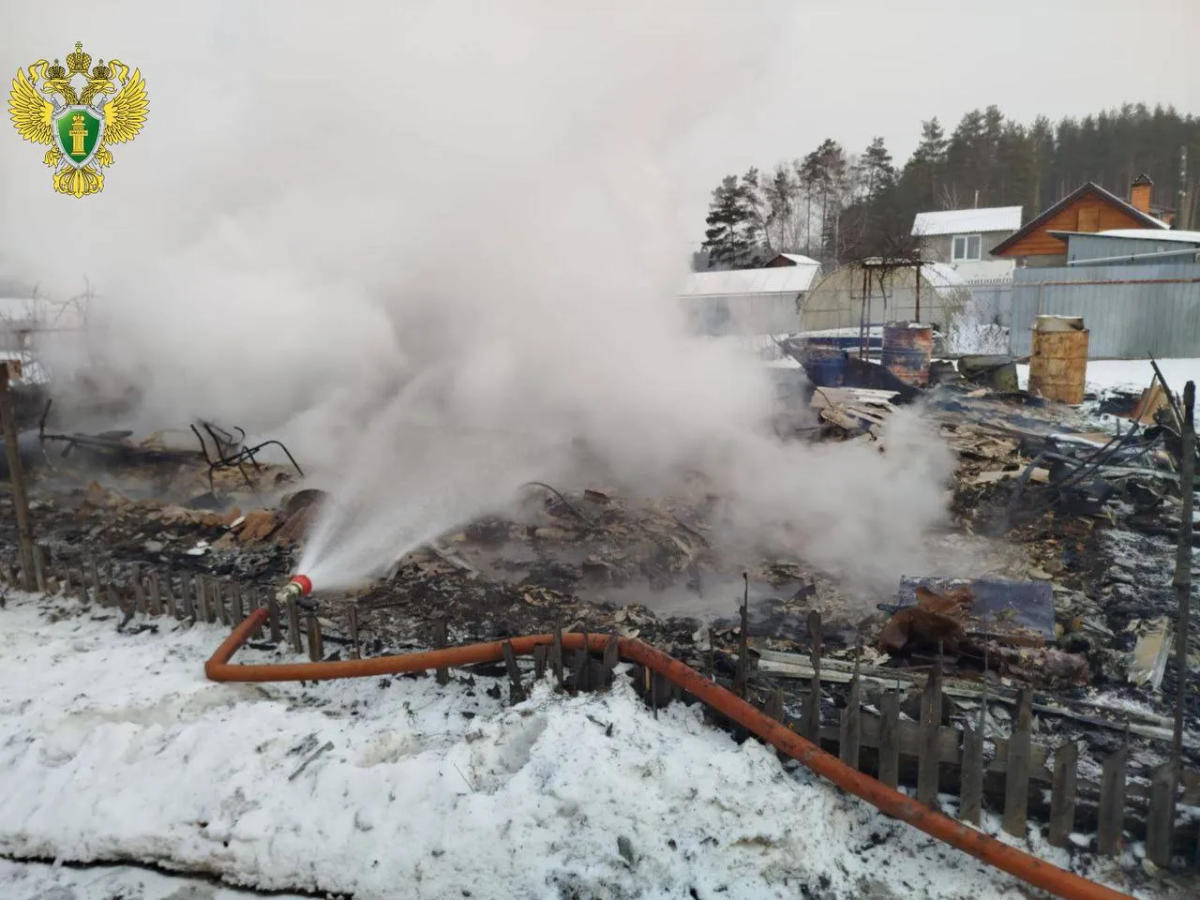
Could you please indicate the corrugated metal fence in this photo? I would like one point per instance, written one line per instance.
(1131, 310)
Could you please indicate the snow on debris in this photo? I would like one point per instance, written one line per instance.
(1106, 375)
(115, 747)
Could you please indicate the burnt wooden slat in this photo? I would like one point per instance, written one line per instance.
(1112, 802)
(1062, 798)
(851, 724)
(889, 738)
(294, 633)
(1160, 821)
(811, 724)
(931, 719)
(970, 807)
(139, 591)
(99, 596)
(773, 707)
(1016, 784)
(237, 614)
(203, 599)
(516, 691)
(439, 643)
(316, 646)
(556, 653)
(541, 653)
(273, 622)
(355, 645)
(155, 603)
(612, 655)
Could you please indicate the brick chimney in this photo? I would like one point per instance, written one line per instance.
(1140, 191)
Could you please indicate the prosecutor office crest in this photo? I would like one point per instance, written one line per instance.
(78, 111)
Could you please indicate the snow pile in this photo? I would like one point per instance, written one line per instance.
(115, 747)
(38, 881)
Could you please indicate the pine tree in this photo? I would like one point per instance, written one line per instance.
(733, 236)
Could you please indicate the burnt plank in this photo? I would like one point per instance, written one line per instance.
(889, 738)
(155, 603)
(516, 691)
(273, 618)
(851, 726)
(931, 717)
(970, 809)
(439, 643)
(294, 633)
(1016, 783)
(1112, 802)
(1160, 821)
(1062, 798)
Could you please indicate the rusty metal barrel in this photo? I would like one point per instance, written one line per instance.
(907, 349)
(1058, 364)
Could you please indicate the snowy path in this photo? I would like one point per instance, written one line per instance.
(115, 747)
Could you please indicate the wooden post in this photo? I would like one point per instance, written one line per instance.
(139, 592)
(187, 598)
(1062, 800)
(1160, 820)
(219, 590)
(556, 653)
(39, 568)
(741, 675)
(1183, 565)
(156, 603)
(541, 654)
(931, 723)
(580, 668)
(774, 705)
(251, 601)
(273, 619)
(970, 807)
(439, 643)
(850, 737)
(1112, 803)
(98, 596)
(889, 738)
(612, 656)
(293, 612)
(68, 582)
(315, 644)
(200, 583)
(355, 647)
(812, 703)
(16, 476)
(236, 614)
(516, 692)
(1016, 783)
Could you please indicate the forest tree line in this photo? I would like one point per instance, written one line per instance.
(834, 205)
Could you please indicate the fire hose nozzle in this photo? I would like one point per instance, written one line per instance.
(299, 586)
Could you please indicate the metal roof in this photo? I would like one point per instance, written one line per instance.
(799, 260)
(967, 221)
(1154, 234)
(739, 282)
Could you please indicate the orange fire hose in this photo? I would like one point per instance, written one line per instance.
(1028, 868)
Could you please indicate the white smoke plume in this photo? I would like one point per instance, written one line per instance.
(435, 246)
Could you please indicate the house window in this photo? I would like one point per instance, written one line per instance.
(966, 248)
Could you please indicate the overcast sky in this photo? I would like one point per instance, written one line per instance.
(853, 69)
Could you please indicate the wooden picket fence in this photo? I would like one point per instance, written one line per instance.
(926, 755)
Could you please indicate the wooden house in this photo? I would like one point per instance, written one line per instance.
(1089, 209)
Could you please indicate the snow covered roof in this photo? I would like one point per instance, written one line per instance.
(1154, 234)
(799, 260)
(942, 275)
(735, 282)
(967, 221)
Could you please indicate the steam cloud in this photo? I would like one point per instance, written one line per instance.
(435, 246)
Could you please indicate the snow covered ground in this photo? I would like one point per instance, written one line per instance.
(115, 747)
(39, 881)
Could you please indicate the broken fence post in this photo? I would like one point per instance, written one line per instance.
(315, 644)
(612, 656)
(1016, 783)
(187, 598)
(540, 654)
(200, 583)
(156, 604)
(556, 652)
(970, 807)
(1112, 803)
(293, 612)
(930, 732)
(236, 613)
(741, 675)
(773, 707)
(850, 736)
(16, 476)
(811, 725)
(889, 738)
(139, 592)
(355, 647)
(580, 668)
(98, 596)
(1160, 820)
(273, 619)
(439, 643)
(39, 567)
(1062, 800)
(516, 692)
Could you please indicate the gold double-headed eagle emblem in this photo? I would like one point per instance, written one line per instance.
(78, 114)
